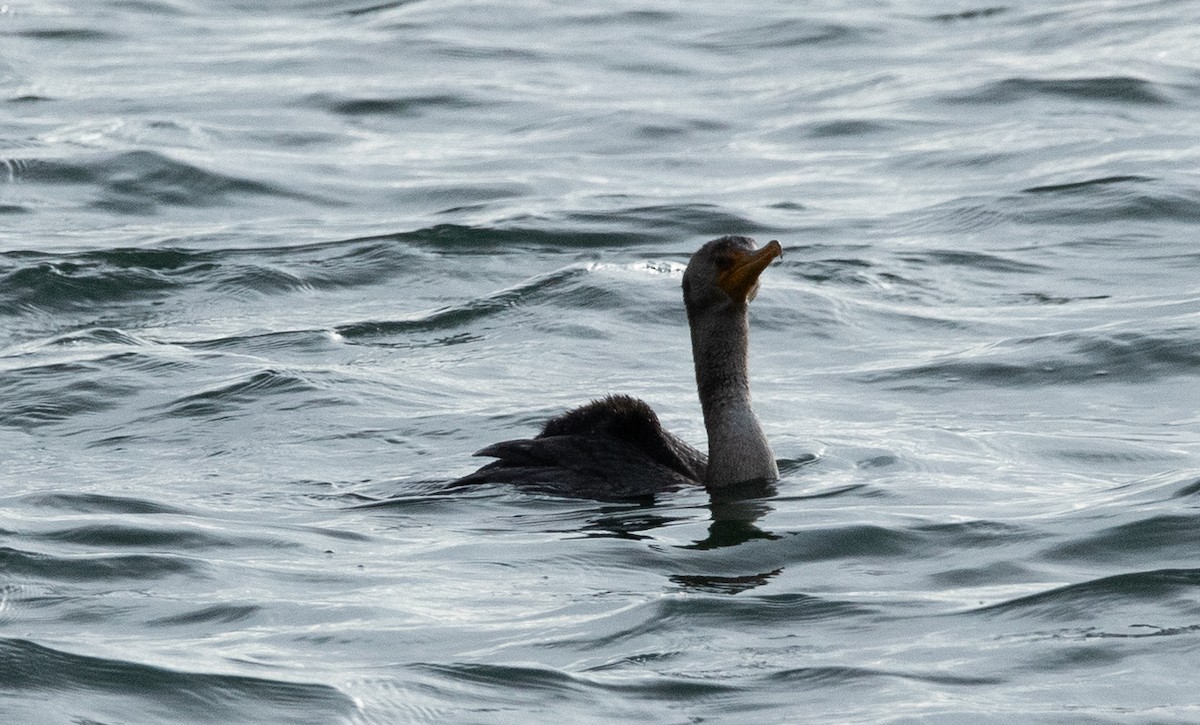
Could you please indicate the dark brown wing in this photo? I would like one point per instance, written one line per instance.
(610, 449)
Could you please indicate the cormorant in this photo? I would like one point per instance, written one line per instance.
(614, 448)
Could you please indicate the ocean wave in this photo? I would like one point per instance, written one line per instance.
(96, 689)
(144, 182)
(1107, 89)
(32, 397)
(96, 503)
(246, 394)
(1065, 358)
(1161, 588)
(398, 106)
(79, 35)
(455, 316)
(82, 281)
(832, 676)
(668, 222)
(515, 683)
(109, 536)
(97, 567)
(74, 282)
(1159, 538)
(215, 614)
(1107, 199)
(791, 33)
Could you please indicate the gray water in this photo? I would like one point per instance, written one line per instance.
(271, 272)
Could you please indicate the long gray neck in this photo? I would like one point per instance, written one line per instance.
(737, 449)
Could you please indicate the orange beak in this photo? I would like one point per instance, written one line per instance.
(740, 281)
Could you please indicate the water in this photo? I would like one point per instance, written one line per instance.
(269, 273)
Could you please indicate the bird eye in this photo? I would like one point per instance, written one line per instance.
(724, 262)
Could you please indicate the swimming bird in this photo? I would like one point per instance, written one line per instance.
(615, 448)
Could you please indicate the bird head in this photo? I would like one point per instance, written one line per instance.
(726, 270)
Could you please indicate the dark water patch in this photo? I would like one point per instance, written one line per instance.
(794, 465)
(882, 461)
(141, 182)
(30, 98)
(96, 568)
(377, 8)
(967, 215)
(542, 683)
(837, 676)
(490, 240)
(667, 222)
(1188, 490)
(703, 607)
(449, 318)
(264, 279)
(824, 677)
(1139, 631)
(1077, 657)
(975, 14)
(1107, 199)
(268, 342)
(1157, 538)
(95, 503)
(85, 280)
(50, 394)
(842, 270)
(790, 33)
(627, 522)
(858, 541)
(250, 392)
(986, 575)
(639, 659)
(973, 260)
(836, 491)
(216, 614)
(95, 689)
(671, 689)
(401, 106)
(723, 584)
(503, 52)
(14, 209)
(151, 7)
(1088, 358)
(114, 536)
(664, 132)
(81, 280)
(767, 610)
(1086, 185)
(1043, 298)
(334, 266)
(853, 128)
(82, 35)
(1137, 356)
(975, 534)
(624, 18)
(96, 336)
(507, 681)
(1106, 89)
(58, 391)
(74, 284)
(991, 374)
(1086, 600)
(161, 259)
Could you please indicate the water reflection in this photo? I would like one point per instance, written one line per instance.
(734, 512)
(625, 523)
(723, 584)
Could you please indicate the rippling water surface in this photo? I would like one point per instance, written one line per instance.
(271, 272)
